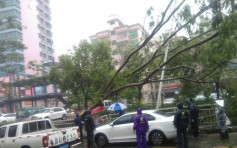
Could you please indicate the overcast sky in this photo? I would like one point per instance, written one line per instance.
(74, 20)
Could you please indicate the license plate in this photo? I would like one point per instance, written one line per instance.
(64, 146)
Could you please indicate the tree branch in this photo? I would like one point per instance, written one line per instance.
(164, 43)
(157, 28)
(178, 53)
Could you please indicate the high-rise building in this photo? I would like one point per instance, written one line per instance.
(28, 22)
(30, 25)
(121, 36)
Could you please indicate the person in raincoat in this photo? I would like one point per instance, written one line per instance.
(193, 114)
(90, 128)
(78, 123)
(141, 127)
(181, 120)
(221, 123)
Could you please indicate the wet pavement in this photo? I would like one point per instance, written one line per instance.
(203, 141)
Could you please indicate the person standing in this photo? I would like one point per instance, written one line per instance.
(181, 123)
(221, 123)
(141, 127)
(194, 114)
(78, 123)
(90, 128)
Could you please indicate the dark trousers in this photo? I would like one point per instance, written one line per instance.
(90, 138)
(81, 134)
(194, 127)
(141, 140)
(182, 137)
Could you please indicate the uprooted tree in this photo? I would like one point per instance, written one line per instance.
(197, 57)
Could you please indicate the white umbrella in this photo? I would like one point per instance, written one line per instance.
(117, 106)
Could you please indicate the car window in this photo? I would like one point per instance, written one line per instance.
(59, 109)
(33, 126)
(12, 131)
(125, 119)
(25, 128)
(54, 110)
(41, 125)
(48, 125)
(2, 132)
(149, 117)
(10, 115)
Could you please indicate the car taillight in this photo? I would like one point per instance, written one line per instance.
(45, 141)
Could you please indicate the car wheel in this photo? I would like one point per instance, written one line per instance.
(64, 117)
(101, 140)
(157, 138)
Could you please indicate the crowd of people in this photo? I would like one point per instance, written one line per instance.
(182, 119)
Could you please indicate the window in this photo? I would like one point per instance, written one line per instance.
(2, 132)
(10, 115)
(122, 35)
(149, 117)
(48, 125)
(12, 131)
(112, 32)
(114, 42)
(25, 128)
(41, 125)
(33, 126)
(125, 119)
(133, 33)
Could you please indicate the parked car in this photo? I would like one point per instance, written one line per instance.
(7, 118)
(38, 134)
(168, 100)
(27, 112)
(51, 113)
(120, 130)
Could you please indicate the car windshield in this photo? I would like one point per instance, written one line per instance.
(164, 114)
(45, 111)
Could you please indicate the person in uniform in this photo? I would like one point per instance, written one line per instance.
(181, 120)
(90, 128)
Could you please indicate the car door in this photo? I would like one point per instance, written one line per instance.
(11, 136)
(122, 129)
(53, 113)
(2, 137)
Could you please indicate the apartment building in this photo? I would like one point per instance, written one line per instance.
(28, 22)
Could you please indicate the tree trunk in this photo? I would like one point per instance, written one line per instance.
(139, 97)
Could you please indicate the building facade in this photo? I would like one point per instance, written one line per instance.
(28, 22)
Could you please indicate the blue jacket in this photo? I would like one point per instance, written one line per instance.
(140, 122)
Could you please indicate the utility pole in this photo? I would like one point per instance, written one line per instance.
(158, 103)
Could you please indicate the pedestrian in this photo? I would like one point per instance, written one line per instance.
(78, 123)
(194, 115)
(120, 112)
(90, 128)
(181, 123)
(141, 127)
(221, 123)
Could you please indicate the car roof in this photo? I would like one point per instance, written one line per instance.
(22, 122)
(143, 111)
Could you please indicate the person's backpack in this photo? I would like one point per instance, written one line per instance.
(194, 111)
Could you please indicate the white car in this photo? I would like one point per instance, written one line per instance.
(7, 118)
(120, 130)
(51, 113)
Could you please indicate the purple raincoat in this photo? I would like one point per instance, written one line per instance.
(140, 122)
